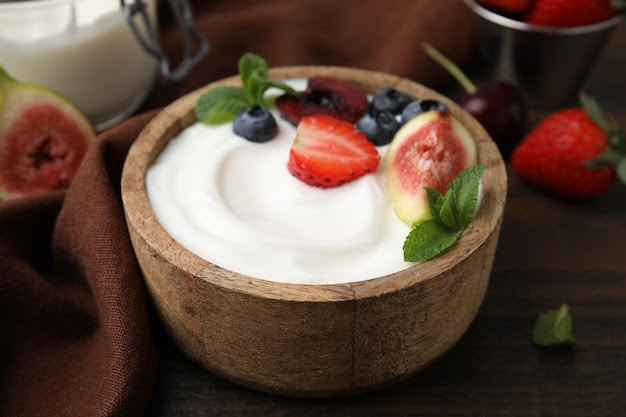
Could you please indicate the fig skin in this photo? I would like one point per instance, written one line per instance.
(43, 138)
(428, 151)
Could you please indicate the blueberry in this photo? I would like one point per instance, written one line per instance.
(379, 126)
(255, 124)
(420, 106)
(389, 99)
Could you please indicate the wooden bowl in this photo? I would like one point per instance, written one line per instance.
(312, 340)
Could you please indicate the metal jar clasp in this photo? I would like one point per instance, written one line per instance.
(195, 46)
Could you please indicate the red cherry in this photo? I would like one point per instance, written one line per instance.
(501, 109)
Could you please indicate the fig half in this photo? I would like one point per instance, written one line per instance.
(430, 150)
(43, 138)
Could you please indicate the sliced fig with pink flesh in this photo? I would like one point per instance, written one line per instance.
(428, 151)
(43, 138)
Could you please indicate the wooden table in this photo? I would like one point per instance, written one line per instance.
(551, 251)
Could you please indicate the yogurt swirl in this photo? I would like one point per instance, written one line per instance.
(234, 203)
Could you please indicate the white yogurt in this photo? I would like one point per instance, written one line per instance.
(235, 204)
(83, 49)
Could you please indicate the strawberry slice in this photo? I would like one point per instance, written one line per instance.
(329, 152)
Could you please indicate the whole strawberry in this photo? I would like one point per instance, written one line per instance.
(571, 13)
(572, 153)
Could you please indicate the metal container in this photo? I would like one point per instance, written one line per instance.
(549, 65)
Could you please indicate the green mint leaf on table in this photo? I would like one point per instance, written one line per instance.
(451, 214)
(554, 328)
(220, 105)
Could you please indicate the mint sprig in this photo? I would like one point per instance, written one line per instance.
(221, 104)
(451, 214)
(554, 328)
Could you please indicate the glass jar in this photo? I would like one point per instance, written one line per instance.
(103, 55)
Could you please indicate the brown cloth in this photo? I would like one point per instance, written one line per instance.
(74, 331)
(370, 34)
(75, 336)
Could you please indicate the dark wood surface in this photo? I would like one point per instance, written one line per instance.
(551, 251)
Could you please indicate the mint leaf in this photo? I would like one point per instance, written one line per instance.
(282, 86)
(451, 213)
(427, 240)
(435, 201)
(253, 70)
(554, 328)
(254, 74)
(463, 194)
(220, 105)
(447, 213)
(258, 85)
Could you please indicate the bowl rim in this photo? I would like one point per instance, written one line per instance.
(179, 114)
